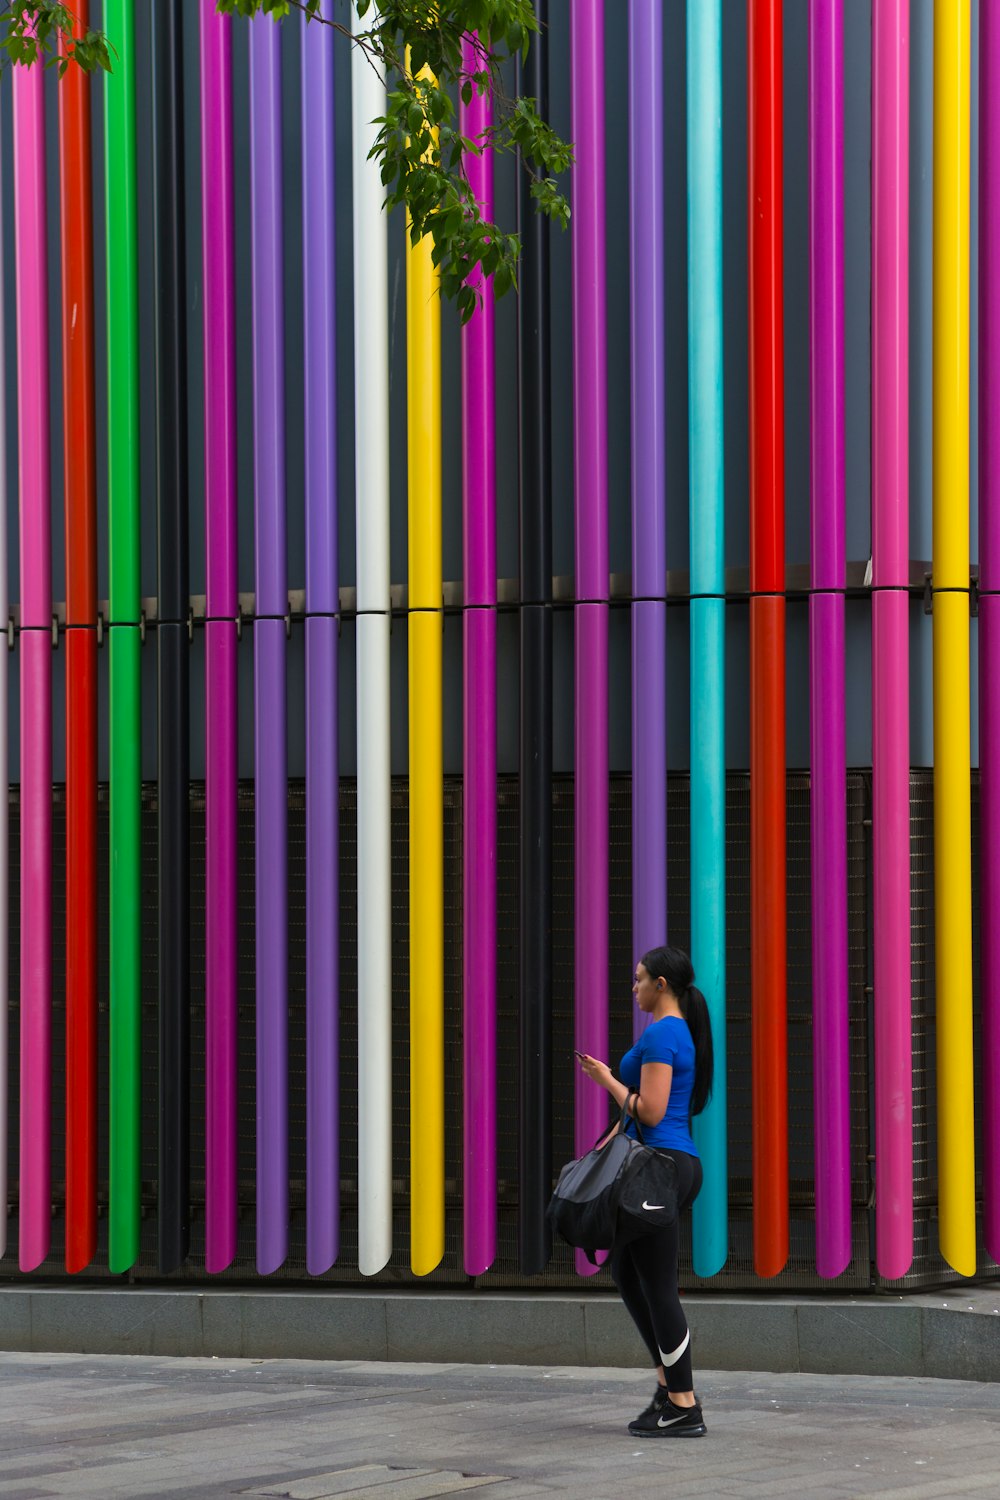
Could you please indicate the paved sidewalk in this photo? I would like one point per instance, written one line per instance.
(119, 1426)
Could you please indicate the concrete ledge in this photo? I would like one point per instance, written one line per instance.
(955, 1336)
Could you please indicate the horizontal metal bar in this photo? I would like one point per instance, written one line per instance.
(677, 588)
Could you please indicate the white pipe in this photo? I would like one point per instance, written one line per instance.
(371, 444)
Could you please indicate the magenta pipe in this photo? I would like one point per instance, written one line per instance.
(590, 451)
(30, 230)
(479, 760)
(831, 1052)
(220, 639)
(890, 637)
(649, 488)
(989, 608)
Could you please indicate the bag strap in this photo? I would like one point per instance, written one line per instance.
(632, 1094)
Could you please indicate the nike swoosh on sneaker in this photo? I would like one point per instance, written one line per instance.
(652, 1206)
(670, 1421)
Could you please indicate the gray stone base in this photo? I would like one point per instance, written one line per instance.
(951, 1336)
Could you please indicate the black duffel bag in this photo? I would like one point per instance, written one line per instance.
(621, 1182)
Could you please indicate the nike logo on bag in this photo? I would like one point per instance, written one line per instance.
(652, 1206)
(669, 1422)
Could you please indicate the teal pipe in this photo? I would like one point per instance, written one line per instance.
(708, 608)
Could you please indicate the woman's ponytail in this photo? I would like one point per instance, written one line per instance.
(694, 1008)
(674, 965)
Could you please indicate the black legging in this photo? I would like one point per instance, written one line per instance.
(644, 1268)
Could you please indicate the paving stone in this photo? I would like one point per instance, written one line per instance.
(532, 1432)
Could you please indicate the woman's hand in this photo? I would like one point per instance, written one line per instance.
(598, 1071)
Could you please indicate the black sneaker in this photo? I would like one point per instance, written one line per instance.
(663, 1419)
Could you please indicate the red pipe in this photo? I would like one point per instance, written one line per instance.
(769, 1045)
(81, 662)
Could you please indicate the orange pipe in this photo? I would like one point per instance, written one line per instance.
(769, 1084)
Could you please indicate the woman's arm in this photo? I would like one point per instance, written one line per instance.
(654, 1088)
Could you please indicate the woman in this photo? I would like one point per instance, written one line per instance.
(669, 1073)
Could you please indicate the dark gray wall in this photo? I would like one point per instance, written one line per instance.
(857, 147)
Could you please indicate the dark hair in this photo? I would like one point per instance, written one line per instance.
(674, 965)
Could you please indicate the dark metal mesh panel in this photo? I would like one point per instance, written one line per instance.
(800, 1273)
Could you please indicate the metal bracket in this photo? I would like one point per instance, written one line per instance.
(10, 632)
(55, 632)
(928, 594)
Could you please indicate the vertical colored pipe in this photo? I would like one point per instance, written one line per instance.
(535, 719)
(424, 626)
(828, 782)
(768, 966)
(80, 511)
(371, 446)
(989, 585)
(953, 897)
(173, 713)
(220, 637)
(649, 489)
(708, 604)
(4, 814)
(322, 628)
(270, 605)
(125, 768)
(952, 809)
(479, 731)
(590, 456)
(890, 635)
(30, 231)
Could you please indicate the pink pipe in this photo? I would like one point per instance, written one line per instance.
(479, 766)
(220, 639)
(890, 642)
(36, 662)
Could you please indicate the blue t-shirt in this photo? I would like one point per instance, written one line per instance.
(667, 1041)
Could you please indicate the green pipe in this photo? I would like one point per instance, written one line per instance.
(124, 640)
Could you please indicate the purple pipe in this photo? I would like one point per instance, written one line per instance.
(322, 606)
(989, 607)
(220, 638)
(322, 985)
(270, 755)
(649, 532)
(590, 456)
(831, 1054)
(479, 761)
(890, 635)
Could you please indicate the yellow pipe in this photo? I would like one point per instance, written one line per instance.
(952, 811)
(423, 406)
